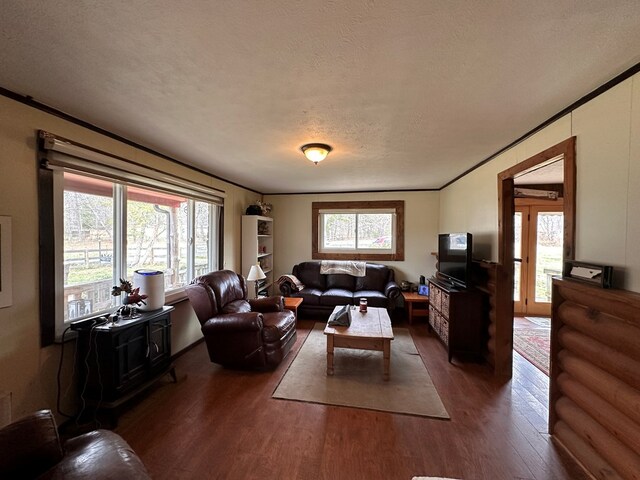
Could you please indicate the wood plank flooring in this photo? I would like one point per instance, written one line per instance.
(216, 423)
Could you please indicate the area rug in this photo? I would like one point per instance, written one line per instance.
(541, 321)
(534, 344)
(357, 381)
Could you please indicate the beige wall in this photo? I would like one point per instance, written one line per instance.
(27, 370)
(608, 184)
(292, 229)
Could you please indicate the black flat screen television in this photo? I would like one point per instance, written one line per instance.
(454, 257)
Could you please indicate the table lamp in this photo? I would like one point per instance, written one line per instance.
(255, 274)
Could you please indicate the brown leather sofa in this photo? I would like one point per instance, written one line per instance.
(239, 332)
(323, 292)
(30, 448)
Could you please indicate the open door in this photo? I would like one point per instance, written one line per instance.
(538, 235)
(500, 343)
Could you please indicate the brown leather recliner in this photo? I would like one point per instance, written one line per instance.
(31, 448)
(239, 332)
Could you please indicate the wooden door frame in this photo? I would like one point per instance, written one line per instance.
(506, 207)
(523, 247)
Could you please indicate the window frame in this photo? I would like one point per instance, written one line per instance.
(51, 233)
(355, 207)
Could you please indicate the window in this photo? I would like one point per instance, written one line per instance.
(355, 232)
(88, 248)
(156, 228)
(98, 228)
(358, 230)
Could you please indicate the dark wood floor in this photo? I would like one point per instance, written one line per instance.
(223, 424)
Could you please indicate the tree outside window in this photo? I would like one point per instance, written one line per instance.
(162, 231)
(358, 230)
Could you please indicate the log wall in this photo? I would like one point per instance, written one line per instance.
(595, 377)
(488, 277)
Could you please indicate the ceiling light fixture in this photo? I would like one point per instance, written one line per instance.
(316, 152)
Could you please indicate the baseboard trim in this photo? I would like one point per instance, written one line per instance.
(187, 348)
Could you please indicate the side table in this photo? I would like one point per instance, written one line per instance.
(292, 303)
(417, 305)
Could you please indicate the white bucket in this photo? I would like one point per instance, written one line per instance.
(151, 283)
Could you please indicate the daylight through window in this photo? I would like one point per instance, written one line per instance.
(157, 232)
(358, 230)
(102, 217)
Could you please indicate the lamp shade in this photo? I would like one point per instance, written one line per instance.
(255, 273)
(316, 152)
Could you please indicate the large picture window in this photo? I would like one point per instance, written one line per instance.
(358, 230)
(97, 228)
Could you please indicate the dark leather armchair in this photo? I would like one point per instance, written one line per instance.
(240, 332)
(31, 448)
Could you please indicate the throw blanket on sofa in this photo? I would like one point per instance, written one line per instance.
(293, 282)
(356, 269)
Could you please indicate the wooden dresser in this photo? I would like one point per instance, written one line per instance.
(455, 315)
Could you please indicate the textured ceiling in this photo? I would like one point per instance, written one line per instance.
(544, 174)
(409, 93)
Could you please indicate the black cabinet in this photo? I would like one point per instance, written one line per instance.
(117, 361)
(159, 343)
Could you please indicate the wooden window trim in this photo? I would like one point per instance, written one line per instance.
(397, 205)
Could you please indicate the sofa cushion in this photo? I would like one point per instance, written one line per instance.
(376, 278)
(310, 296)
(274, 303)
(237, 306)
(309, 274)
(374, 298)
(341, 281)
(336, 296)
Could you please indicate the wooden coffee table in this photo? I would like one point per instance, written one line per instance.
(368, 331)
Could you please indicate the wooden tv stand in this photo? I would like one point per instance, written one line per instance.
(455, 315)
